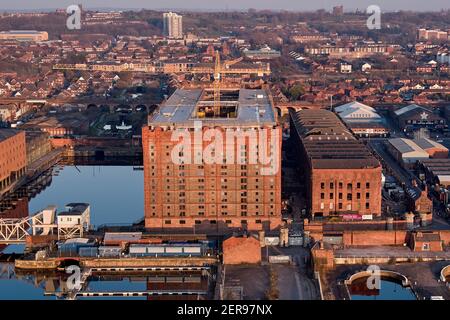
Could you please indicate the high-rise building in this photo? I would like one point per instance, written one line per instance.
(213, 167)
(342, 175)
(173, 25)
(338, 10)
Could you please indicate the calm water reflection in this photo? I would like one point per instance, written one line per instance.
(116, 196)
(389, 290)
(115, 193)
(32, 286)
(24, 287)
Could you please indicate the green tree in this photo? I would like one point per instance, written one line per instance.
(295, 92)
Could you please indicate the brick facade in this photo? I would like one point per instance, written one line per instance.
(346, 191)
(342, 176)
(13, 159)
(241, 250)
(188, 195)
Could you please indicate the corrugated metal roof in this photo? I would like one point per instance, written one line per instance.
(406, 146)
(407, 109)
(425, 143)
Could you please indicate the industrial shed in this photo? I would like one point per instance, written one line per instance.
(434, 149)
(406, 151)
(414, 116)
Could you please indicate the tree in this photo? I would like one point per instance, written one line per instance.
(296, 92)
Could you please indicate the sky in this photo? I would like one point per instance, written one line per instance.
(299, 5)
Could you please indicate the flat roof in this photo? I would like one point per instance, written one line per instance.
(122, 236)
(254, 107)
(22, 32)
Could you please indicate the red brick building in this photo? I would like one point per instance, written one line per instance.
(343, 177)
(192, 192)
(426, 241)
(241, 250)
(13, 159)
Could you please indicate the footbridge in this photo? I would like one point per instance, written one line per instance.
(15, 231)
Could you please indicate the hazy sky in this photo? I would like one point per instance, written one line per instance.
(386, 5)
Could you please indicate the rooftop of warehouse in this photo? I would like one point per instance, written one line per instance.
(242, 107)
(328, 143)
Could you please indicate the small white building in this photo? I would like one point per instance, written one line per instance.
(75, 221)
(366, 67)
(345, 68)
(356, 111)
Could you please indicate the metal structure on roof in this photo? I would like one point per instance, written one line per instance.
(252, 107)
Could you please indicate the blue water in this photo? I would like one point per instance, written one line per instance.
(115, 193)
(122, 285)
(389, 290)
(116, 196)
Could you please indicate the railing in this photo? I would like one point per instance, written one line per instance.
(317, 276)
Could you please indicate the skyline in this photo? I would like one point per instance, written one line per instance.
(300, 5)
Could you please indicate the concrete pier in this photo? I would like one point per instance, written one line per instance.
(54, 263)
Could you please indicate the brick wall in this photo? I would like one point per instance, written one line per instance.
(13, 158)
(375, 238)
(185, 196)
(346, 190)
(445, 237)
(241, 250)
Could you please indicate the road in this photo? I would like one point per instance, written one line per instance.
(392, 166)
(294, 282)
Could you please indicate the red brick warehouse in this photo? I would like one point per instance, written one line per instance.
(235, 195)
(342, 176)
